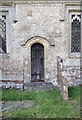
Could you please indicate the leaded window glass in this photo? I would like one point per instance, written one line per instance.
(3, 34)
(75, 33)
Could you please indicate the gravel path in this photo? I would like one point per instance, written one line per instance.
(15, 105)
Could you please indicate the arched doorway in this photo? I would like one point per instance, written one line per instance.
(37, 62)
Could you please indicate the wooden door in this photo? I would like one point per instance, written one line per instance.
(37, 62)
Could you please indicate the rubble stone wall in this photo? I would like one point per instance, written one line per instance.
(12, 69)
(72, 73)
(48, 24)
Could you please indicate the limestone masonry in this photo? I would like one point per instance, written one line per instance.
(30, 24)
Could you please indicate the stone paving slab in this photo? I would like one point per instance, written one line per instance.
(15, 105)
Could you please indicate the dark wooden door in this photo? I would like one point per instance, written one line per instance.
(37, 62)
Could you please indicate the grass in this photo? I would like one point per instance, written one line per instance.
(48, 104)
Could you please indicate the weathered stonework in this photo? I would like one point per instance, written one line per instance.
(46, 23)
(72, 73)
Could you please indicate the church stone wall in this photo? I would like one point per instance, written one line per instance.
(46, 21)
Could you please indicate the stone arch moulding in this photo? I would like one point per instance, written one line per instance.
(36, 39)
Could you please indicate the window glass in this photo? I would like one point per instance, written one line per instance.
(3, 34)
(75, 33)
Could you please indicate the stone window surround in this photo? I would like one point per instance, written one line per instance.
(72, 10)
(75, 16)
(6, 13)
(73, 13)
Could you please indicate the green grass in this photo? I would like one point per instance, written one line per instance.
(17, 95)
(48, 104)
(74, 92)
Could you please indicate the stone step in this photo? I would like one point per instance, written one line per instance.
(39, 86)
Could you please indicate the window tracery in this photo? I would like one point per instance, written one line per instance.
(3, 34)
(75, 33)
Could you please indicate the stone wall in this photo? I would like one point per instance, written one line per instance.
(72, 73)
(12, 69)
(48, 24)
(62, 81)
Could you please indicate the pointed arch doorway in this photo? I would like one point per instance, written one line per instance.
(37, 62)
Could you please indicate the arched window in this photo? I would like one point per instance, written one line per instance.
(3, 34)
(75, 33)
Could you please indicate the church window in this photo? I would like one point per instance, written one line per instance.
(75, 33)
(3, 34)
